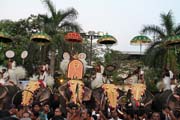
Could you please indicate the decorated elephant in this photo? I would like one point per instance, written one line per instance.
(168, 98)
(107, 94)
(6, 95)
(33, 92)
(74, 91)
(136, 95)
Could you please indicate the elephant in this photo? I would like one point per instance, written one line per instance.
(6, 95)
(107, 94)
(136, 97)
(30, 95)
(75, 91)
(167, 98)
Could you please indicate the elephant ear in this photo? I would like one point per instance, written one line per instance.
(87, 94)
(3, 92)
(62, 90)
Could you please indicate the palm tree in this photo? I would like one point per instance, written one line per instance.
(56, 25)
(158, 55)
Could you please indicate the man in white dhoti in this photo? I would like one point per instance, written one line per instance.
(98, 81)
(11, 71)
(167, 79)
(5, 76)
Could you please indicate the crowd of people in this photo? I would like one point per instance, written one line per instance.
(54, 110)
(49, 111)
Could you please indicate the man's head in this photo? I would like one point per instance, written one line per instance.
(36, 106)
(155, 116)
(46, 107)
(57, 112)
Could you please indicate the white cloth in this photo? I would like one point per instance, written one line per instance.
(97, 82)
(64, 65)
(102, 69)
(173, 87)
(12, 76)
(166, 81)
(43, 76)
(171, 74)
(13, 65)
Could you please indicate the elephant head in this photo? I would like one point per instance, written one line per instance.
(42, 95)
(75, 91)
(111, 91)
(138, 91)
(27, 94)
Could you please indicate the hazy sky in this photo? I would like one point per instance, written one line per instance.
(121, 18)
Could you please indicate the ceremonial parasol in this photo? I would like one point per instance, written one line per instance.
(73, 37)
(41, 38)
(173, 40)
(4, 38)
(140, 40)
(107, 40)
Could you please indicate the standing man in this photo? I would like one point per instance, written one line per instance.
(167, 79)
(4, 76)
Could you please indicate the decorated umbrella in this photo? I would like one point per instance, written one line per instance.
(140, 40)
(41, 38)
(4, 38)
(173, 40)
(107, 40)
(73, 37)
(172, 43)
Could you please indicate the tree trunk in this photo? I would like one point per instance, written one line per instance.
(52, 62)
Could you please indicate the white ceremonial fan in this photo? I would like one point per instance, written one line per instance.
(24, 54)
(82, 56)
(10, 54)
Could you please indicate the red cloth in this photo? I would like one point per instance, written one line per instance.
(41, 83)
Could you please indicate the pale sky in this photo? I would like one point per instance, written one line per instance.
(122, 19)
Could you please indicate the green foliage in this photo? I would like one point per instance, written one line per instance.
(158, 54)
(152, 76)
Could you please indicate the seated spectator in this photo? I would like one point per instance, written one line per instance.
(155, 116)
(73, 112)
(86, 115)
(57, 115)
(26, 116)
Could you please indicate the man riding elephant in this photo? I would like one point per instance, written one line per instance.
(74, 90)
